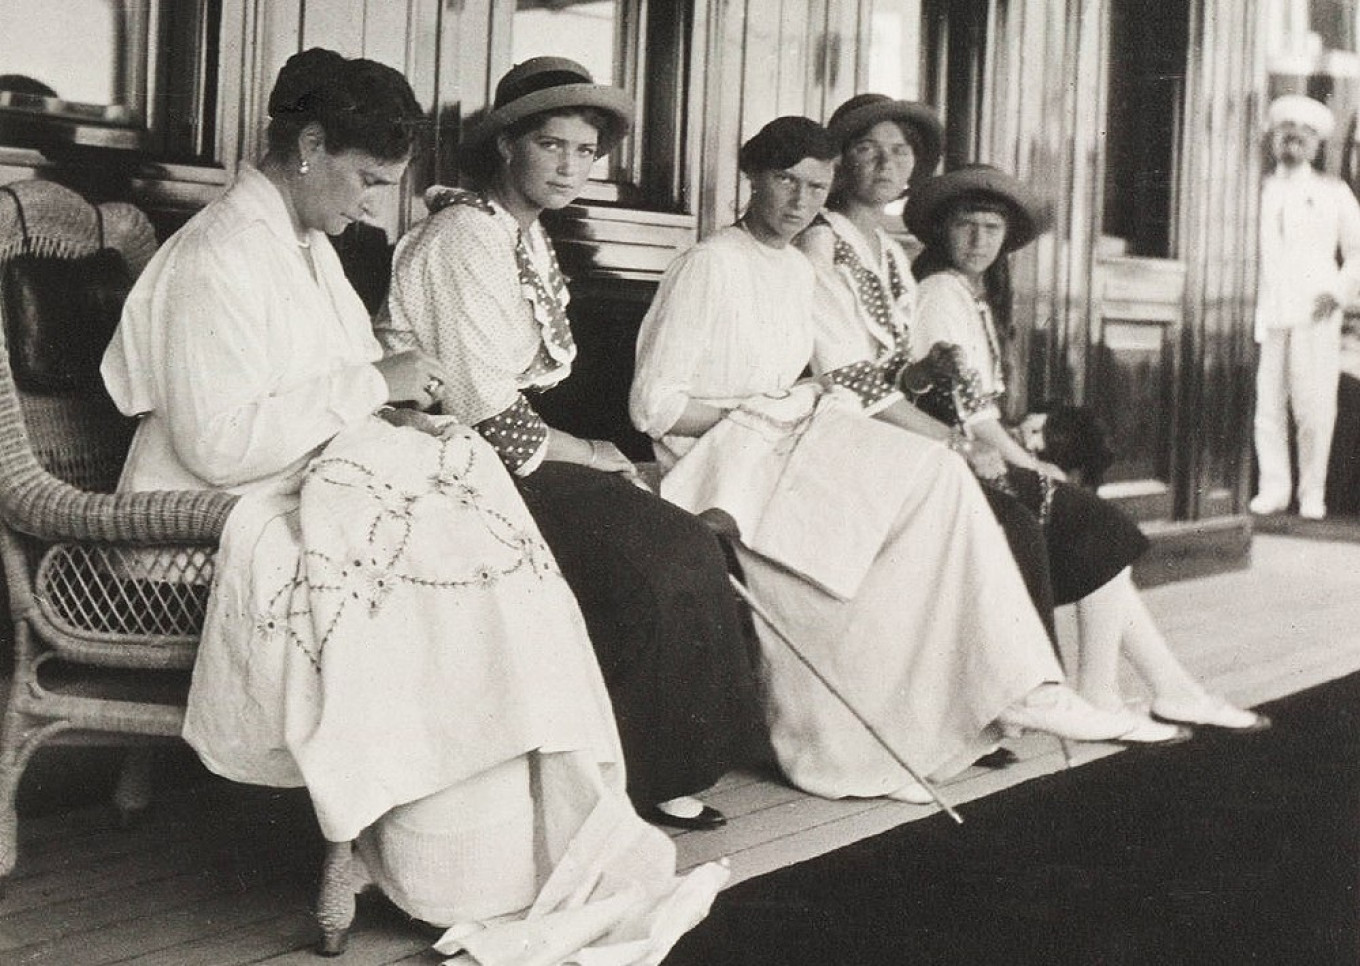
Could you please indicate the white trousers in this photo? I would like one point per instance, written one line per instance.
(1297, 372)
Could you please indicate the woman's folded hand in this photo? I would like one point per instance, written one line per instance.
(413, 377)
(608, 458)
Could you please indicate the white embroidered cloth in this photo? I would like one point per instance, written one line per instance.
(394, 634)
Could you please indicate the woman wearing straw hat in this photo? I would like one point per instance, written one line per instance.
(386, 625)
(477, 285)
(866, 295)
(970, 219)
(870, 547)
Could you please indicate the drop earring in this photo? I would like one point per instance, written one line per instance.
(304, 166)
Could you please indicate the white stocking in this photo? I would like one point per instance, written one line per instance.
(1112, 620)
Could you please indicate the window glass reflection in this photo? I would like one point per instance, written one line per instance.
(74, 49)
(583, 30)
(894, 39)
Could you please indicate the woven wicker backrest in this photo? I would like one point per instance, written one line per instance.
(51, 240)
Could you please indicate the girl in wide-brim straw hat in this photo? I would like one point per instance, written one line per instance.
(478, 284)
(970, 219)
(1026, 215)
(542, 86)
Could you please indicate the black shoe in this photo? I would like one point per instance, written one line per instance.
(709, 818)
(996, 760)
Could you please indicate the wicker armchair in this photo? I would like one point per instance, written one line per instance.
(107, 591)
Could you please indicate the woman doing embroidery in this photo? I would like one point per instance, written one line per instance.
(386, 627)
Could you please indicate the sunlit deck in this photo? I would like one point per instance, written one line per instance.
(220, 874)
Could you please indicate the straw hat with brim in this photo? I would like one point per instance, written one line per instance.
(863, 111)
(542, 84)
(1027, 216)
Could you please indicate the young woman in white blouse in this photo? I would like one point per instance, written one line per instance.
(477, 285)
(866, 295)
(871, 547)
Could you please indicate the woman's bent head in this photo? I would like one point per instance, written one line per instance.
(790, 163)
(341, 128)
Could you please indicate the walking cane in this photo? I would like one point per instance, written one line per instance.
(797, 652)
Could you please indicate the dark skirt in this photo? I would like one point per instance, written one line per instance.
(1029, 546)
(652, 583)
(1089, 539)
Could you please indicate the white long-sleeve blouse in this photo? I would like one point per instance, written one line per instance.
(238, 362)
(947, 310)
(732, 318)
(486, 297)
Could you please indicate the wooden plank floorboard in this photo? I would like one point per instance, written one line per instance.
(221, 914)
(222, 875)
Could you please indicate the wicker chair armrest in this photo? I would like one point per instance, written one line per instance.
(44, 507)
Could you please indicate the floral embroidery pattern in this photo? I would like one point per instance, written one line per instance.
(378, 563)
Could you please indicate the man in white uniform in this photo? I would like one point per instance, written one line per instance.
(1309, 267)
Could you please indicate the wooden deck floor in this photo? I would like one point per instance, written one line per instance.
(219, 874)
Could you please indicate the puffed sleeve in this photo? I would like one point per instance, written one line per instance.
(234, 414)
(455, 293)
(456, 288)
(674, 337)
(945, 312)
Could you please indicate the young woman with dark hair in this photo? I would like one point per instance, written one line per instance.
(866, 295)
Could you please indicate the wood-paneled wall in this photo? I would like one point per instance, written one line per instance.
(1035, 104)
(761, 59)
(1219, 232)
(1043, 104)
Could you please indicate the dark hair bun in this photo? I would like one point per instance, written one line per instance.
(302, 77)
(359, 104)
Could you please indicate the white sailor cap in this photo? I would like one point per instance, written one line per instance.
(1303, 111)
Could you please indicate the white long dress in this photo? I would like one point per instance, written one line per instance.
(386, 625)
(873, 548)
